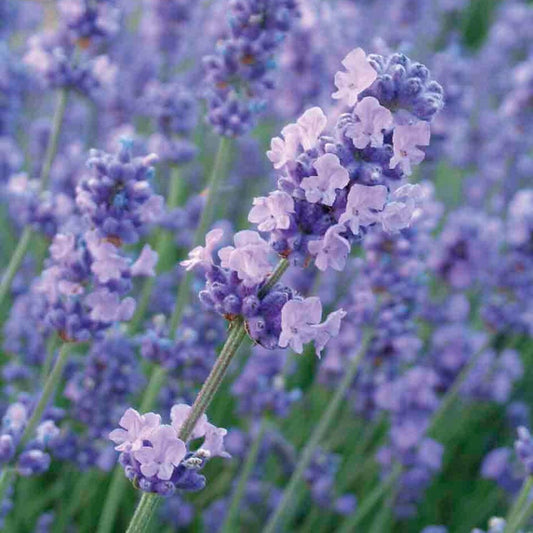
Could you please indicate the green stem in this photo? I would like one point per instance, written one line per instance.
(285, 508)
(5, 480)
(51, 347)
(14, 263)
(157, 378)
(522, 508)
(238, 494)
(215, 378)
(143, 513)
(114, 496)
(369, 502)
(49, 389)
(24, 241)
(53, 142)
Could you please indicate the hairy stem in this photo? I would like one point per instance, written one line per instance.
(50, 386)
(143, 513)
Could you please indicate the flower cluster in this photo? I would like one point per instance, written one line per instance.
(173, 109)
(87, 276)
(239, 75)
(156, 460)
(334, 186)
(33, 459)
(117, 199)
(51, 58)
(234, 288)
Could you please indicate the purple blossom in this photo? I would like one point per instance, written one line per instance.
(165, 453)
(359, 76)
(214, 441)
(310, 125)
(405, 140)
(272, 212)
(106, 306)
(134, 428)
(373, 120)
(332, 250)
(249, 257)
(524, 449)
(283, 150)
(146, 262)
(203, 255)
(178, 415)
(362, 206)
(300, 324)
(331, 175)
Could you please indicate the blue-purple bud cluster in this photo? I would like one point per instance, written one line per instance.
(240, 74)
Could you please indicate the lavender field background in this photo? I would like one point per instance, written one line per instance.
(266, 266)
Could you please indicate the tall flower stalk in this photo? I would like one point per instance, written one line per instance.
(158, 374)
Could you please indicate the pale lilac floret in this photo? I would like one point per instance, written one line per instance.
(297, 316)
(328, 329)
(405, 140)
(203, 255)
(15, 418)
(165, 453)
(359, 76)
(62, 247)
(300, 324)
(374, 119)
(134, 428)
(272, 212)
(146, 262)
(214, 441)
(332, 250)
(249, 257)
(331, 175)
(151, 210)
(107, 263)
(48, 283)
(178, 415)
(520, 219)
(283, 150)
(362, 206)
(399, 214)
(311, 124)
(46, 431)
(106, 306)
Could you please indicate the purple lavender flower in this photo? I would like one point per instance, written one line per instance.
(156, 460)
(238, 76)
(359, 76)
(300, 324)
(118, 199)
